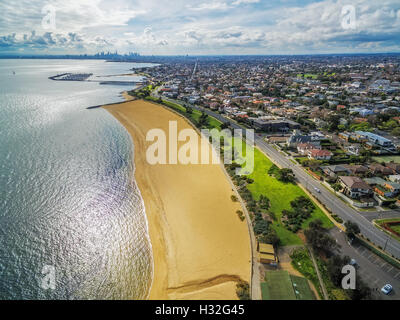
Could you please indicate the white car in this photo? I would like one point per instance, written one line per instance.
(387, 288)
(316, 189)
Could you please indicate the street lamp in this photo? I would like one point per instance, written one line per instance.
(387, 240)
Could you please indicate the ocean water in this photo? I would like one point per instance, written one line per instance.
(69, 205)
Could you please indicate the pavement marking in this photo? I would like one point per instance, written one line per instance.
(397, 275)
(390, 269)
(371, 255)
(362, 250)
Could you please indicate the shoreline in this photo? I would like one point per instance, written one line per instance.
(200, 247)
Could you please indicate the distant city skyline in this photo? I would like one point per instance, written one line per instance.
(222, 27)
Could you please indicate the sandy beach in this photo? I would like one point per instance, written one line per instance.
(200, 246)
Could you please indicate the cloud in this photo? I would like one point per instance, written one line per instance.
(189, 26)
(239, 2)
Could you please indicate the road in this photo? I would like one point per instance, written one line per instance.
(330, 200)
(388, 214)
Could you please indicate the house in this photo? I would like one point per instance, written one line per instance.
(275, 125)
(356, 168)
(302, 148)
(353, 149)
(335, 170)
(393, 187)
(297, 138)
(355, 187)
(267, 253)
(375, 181)
(394, 166)
(376, 139)
(377, 168)
(384, 188)
(318, 154)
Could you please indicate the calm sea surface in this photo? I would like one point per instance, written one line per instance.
(68, 200)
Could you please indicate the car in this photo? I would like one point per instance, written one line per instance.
(387, 288)
(353, 262)
(316, 189)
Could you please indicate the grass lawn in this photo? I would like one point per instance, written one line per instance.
(302, 288)
(395, 159)
(396, 227)
(280, 195)
(278, 286)
(302, 262)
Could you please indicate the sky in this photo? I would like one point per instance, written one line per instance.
(201, 27)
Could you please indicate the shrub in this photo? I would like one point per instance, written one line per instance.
(243, 290)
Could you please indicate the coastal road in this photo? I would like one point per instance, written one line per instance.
(324, 196)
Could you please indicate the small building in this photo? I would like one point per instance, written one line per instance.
(267, 253)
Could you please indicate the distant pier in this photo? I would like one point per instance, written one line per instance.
(71, 77)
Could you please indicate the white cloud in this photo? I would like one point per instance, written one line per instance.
(187, 26)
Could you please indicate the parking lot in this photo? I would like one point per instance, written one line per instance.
(375, 271)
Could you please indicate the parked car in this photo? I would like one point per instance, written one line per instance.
(387, 288)
(353, 262)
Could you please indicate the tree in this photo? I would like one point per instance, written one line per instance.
(264, 202)
(337, 187)
(224, 125)
(270, 237)
(352, 229)
(318, 238)
(334, 267)
(361, 292)
(285, 175)
(203, 120)
(396, 131)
